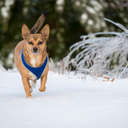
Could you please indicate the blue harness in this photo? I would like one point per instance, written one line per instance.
(36, 71)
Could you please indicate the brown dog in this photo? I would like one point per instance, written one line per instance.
(31, 51)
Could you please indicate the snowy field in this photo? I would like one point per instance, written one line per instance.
(69, 102)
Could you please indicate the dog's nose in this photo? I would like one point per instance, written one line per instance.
(35, 49)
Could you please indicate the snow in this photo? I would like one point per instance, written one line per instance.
(69, 102)
(5, 10)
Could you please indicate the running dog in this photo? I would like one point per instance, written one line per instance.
(31, 56)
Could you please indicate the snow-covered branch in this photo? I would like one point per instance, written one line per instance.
(102, 53)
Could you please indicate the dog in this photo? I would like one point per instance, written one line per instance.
(31, 57)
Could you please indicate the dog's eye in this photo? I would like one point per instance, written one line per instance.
(40, 42)
(30, 43)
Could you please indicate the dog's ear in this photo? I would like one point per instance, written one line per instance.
(45, 31)
(25, 31)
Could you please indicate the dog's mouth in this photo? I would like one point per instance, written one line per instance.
(35, 53)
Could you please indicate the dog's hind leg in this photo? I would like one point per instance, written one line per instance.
(32, 84)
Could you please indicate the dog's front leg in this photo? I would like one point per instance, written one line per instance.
(26, 86)
(43, 83)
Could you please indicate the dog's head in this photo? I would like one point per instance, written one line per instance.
(35, 43)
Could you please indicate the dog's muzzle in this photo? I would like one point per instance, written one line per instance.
(35, 49)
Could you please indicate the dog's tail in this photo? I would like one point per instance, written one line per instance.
(37, 26)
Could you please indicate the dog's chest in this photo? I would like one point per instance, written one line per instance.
(35, 61)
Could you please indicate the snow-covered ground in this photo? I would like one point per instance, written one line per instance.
(69, 102)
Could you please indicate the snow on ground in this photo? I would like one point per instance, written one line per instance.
(69, 102)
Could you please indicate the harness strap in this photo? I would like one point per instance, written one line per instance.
(37, 71)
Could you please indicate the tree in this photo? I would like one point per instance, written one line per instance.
(68, 20)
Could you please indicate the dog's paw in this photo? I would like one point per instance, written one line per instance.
(28, 95)
(42, 89)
